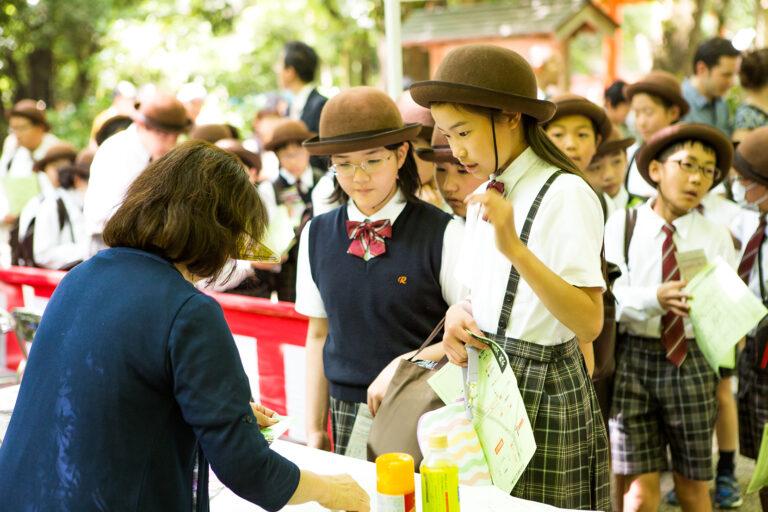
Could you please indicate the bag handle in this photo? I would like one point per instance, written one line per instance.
(430, 338)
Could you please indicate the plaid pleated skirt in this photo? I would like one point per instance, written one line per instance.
(753, 401)
(343, 416)
(570, 468)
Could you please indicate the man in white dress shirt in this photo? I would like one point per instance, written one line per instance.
(156, 126)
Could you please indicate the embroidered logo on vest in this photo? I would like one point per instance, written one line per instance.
(402, 279)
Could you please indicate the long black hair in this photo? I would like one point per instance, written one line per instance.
(408, 178)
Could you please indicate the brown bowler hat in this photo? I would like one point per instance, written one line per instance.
(210, 132)
(751, 159)
(488, 76)
(662, 84)
(360, 118)
(440, 150)
(58, 150)
(569, 104)
(249, 158)
(32, 110)
(681, 132)
(412, 112)
(162, 111)
(110, 127)
(614, 142)
(288, 130)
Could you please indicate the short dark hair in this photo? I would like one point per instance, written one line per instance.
(710, 51)
(194, 206)
(614, 94)
(408, 178)
(753, 73)
(302, 58)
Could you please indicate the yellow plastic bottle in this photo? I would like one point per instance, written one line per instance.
(439, 477)
(395, 489)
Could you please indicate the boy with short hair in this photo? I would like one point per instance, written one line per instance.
(608, 170)
(664, 391)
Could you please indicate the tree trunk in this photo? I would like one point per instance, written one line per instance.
(679, 39)
(40, 63)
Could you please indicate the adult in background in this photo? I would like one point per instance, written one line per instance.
(715, 65)
(135, 371)
(295, 72)
(753, 77)
(157, 123)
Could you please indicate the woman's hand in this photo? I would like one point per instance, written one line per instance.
(319, 440)
(265, 417)
(335, 492)
(501, 214)
(378, 387)
(672, 298)
(455, 336)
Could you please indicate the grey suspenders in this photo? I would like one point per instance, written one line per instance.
(514, 275)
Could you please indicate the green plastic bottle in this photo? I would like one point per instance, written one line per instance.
(439, 477)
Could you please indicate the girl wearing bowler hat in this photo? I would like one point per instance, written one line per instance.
(528, 292)
(751, 164)
(376, 274)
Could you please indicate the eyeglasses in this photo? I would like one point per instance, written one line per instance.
(712, 173)
(368, 166)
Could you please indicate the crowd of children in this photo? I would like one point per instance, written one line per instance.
(529, 198)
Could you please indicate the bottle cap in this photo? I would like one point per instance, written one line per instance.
(394, 474)
(438, 441)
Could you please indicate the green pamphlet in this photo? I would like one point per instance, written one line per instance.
(19, 191)
(723, 311)
(278, 429)
(498, 414)
(760, 476)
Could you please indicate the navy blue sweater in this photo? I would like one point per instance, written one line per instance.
(131, 364)
(380, 308)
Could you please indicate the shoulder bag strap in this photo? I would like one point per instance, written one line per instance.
(514, 275)
(629, 228)
(429, 339)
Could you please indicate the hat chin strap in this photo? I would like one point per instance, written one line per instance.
(495, 150)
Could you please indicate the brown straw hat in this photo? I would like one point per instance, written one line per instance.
(751, 159)
(440, 150)
(162, 111)
(360, 118)
(569, 104)
(288, 130)
(412, 112)
(488, 76)
(249, 158)
(681, 132)
(57, 150)
(614, 142)
(32, 110)
(662, 84)
(210, 132)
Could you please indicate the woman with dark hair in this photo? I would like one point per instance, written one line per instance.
(375, 275)
(528, 292)
(134, 371)
(753, 76)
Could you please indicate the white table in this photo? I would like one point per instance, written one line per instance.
(473, 499)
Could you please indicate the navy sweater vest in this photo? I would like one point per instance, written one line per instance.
(380, 308)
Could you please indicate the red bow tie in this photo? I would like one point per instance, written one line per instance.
(493, 184)
(368, 235)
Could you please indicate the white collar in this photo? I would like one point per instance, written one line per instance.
(518, 168)
(682, 224)
(300, 100)
(390, 211)
(621, 199)
(306, 177)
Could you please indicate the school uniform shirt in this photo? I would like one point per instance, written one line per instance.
(267, 188)
(54, 246)
(638, 309)
(233, 274)
(566, 235)
(321, 194)
(17, 161)
(308, 299)
(715, 113)
(118, 161)
(635, 182)
(719, 210)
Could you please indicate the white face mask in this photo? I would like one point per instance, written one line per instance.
(752, 206)
(738, 191)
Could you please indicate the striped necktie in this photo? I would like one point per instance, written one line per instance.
(672, 329)
(750, 252)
